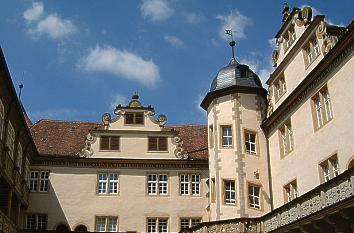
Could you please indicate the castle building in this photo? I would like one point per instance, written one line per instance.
(276, 160)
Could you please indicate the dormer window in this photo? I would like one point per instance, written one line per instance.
(109, 143)
(134, 118)
(289, 38)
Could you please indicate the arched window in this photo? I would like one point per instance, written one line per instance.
(81, 228)
(62, 228)
(19, 157)
(10, 139)
(2, 116)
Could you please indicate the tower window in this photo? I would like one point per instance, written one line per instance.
(226, 141)
(251, 142)
(254, 192)
(229, 192)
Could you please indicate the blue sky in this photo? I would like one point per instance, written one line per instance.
(78, 59)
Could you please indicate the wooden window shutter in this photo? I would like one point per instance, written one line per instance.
(162, 144)
(139, 118)
(152, 144)
(114, 145)
(104, 143)
(129, 118)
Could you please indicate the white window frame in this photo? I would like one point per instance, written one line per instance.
(186, 222)
(250, 143)
(104, 224)
(184, 184)
(253, 197)
(230, 191)
(157, 225)
(195, 179)
(226, 134)
(330, 168)
(291, 191)
(190, 184)
(286, 138)
(157, 184)
(39, 181)
(107, 183)
(39, 224)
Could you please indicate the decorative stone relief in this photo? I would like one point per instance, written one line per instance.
(275, 57)
(87, 150)
(161, 120)
(304, 16)
(179, 151)
(106, 119)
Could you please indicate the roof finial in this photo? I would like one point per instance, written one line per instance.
(20, 92)
(135, 96)
(232, 43)
(285, 11)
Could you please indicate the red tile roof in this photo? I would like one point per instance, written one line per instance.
(67, 138)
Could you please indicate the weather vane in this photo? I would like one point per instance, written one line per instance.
(232, 42)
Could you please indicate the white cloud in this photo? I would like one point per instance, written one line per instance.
(235, 21)
(120, 63)
(54, 27)
(35, 12)
(118, 99)
(156, 10)
(260, 65)
(174, 41)
(194, 18)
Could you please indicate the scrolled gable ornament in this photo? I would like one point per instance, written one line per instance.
(321, 30)
(106, 119)
(87, 151)
(275, 57)
(304, 16)
(162, 120)
(179, 151)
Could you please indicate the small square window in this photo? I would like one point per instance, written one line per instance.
(226, 140)
(134, 118)
(157, 143)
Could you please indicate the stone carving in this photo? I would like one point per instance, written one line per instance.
(321, 30)
(87, 150)
(161, 119)
(304, 16)
(106, 119)
(275, 57)
(179, 151)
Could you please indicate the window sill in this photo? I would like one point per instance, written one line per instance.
(310, 63)
(324, 124)
(252, 154)
(157, 151)
(109, 150)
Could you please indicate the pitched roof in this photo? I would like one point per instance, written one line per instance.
(67, 138)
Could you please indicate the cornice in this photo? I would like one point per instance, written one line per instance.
(230, 90)
(134, 131)
(287, 22)
(295, 48)
(335, 56)
(66, 161)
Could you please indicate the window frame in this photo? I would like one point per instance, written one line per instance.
(158, 184)
(311, 51)
(109, 143)
(38, 181)
(256, 150)
(286, 138)
(158, 149)
(225, 202)
(107, 218)
(279, 87)
(108, 183)
(290, 191)
(229, 137)
(36, 215)
(333, 171)
(157, 221)
(190, 221)
(324, 114)
(134, 118)
(189, 184)
(260, 197)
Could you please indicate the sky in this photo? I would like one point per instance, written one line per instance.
(79, 59)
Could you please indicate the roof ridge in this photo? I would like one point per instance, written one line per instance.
(183, 125)
(55, 120)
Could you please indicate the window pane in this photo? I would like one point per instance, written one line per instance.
(113, 183)
(195, 221)
(129, 118)
(42, 222)
(44, 181)
(195, 184)
(230, 192)
(152, 144)
(152, 225)
(152, 184)
(162, 144)
(100, 224)
(31, 221)
(104, 143)
(184, 184)
(114, 143)
(163, 226)
(112, 224)
(163, 184)
(102, 183)
(139, 118)
(34, 181)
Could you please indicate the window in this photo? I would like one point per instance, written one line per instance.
(134, 118)
(289, 38)
(322, 108)
(250, 142)
(10, 140)
(36, 222)
(211, 136)
(280, 87)
(107, 183)
(189, 222)
(290, 191)
(39, 181)
(229, 192)
(329, 169)
(157, 225)
(2, 116)
(109, 143)
(226, 141)
(107, 224)
(254, 192)
(157, 184)
(157, 144)
(311, 51)
(286, 138)
(190, 184)
(19, 157)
